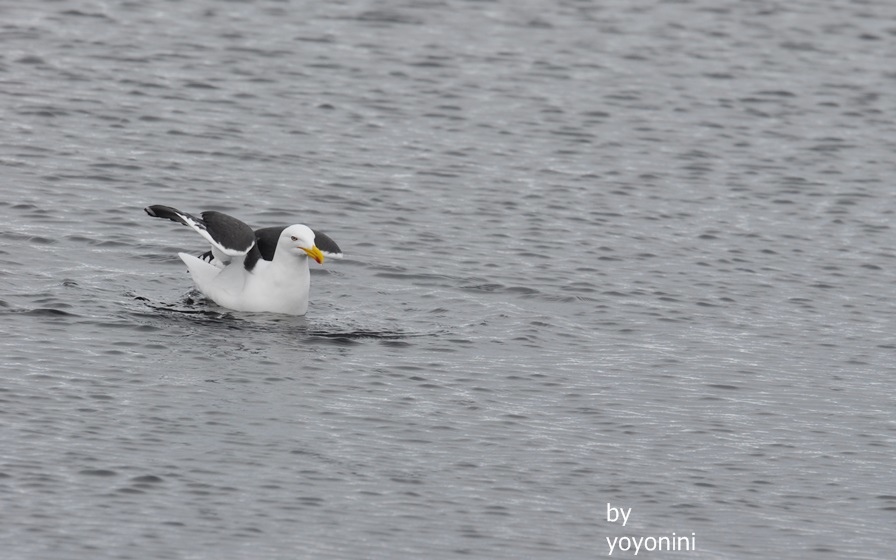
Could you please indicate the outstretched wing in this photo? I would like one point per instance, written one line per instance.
(230, 238)
(326, 245)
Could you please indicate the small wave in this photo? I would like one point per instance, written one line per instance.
(347, 336)
(198, 311)
(43, 312)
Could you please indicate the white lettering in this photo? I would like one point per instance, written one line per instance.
(612, 544)
(674, 543)
(613, 514)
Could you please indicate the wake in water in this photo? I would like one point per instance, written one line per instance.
(198, 310)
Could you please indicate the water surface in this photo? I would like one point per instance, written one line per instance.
(628, 253)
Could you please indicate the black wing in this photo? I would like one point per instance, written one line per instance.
(229, 232)
(327, 245)
(230, 236)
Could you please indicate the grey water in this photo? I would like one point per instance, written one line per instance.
(600, 257)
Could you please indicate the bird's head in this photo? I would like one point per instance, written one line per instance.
(299, 240)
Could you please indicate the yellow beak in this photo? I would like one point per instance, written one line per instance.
(315, 254)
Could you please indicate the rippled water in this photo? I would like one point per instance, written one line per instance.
(635, 253)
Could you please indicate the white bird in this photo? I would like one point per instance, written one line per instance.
(265, 270)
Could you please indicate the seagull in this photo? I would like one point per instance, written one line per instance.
(265, 270)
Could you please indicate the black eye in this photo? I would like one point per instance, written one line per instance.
(294, 238)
